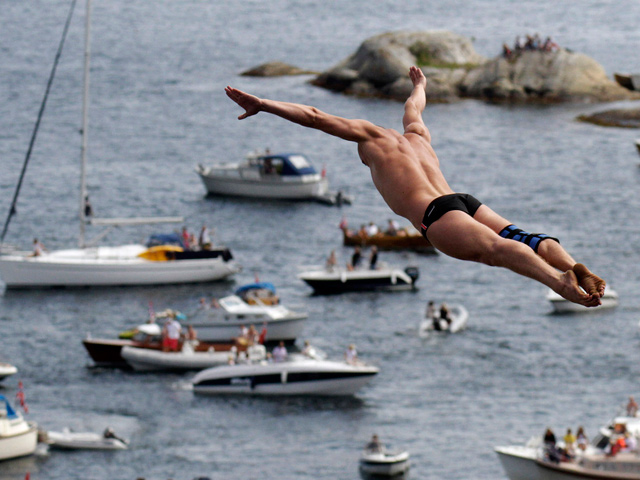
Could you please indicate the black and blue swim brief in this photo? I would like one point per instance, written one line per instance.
(446, 203)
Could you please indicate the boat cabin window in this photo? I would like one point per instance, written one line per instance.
(299, 161)
(272, 165)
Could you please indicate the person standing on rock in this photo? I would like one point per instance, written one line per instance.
(406, 172)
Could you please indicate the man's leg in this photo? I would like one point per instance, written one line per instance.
(458, 235)
(551, 251)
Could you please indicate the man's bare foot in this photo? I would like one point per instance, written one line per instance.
(570, 290)
(592, 284)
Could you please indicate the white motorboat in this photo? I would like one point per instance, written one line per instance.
(103, 266)
(299, 375)
(18, 437)
(223, 323)
(534, 461)
(68, 440)
(283, 176)
(560, 305)
(6, 370)
(384, 462)
(338, 280)
(459, 318)
(147, 360)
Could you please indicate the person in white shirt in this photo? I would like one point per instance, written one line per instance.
(279, 353)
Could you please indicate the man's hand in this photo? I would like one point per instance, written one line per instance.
(417, 77)
(250, 103)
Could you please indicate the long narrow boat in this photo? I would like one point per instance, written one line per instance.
(405, 239)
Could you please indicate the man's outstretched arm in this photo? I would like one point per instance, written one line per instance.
(414, 106)
(305, 115)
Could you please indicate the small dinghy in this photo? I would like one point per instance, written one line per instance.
(459, 317)
(68, 440)
(378, 460)
(560, 305)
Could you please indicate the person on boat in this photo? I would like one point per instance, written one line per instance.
(431, 310)
(191, 338)
(351, 355)
(332, 262)
(205, 238)
(373, 258)
(569, 443)
(203, 305)
(308, 350)
(263, 334)
(631, 442)
(406, 172)
(88, 209)
(392, 228)
(445, 314)
(374, 445)
(549, 437)
(581, 439)
(280, 353)
(244, 332)
(185, 236)
(363, 233)
(171, 334)
(632, 407)
(372, 229)
(38, 248)
(253, 335)
(551, 451)
(355, 258)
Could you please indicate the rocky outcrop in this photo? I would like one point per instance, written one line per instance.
(539, 76)
(454, 70)
(275, 69)
(380, 66)
(629, 118)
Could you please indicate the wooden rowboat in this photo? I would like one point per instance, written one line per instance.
(403, 241)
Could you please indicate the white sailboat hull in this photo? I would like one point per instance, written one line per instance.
(106, 266)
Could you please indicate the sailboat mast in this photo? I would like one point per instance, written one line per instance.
(85, 124)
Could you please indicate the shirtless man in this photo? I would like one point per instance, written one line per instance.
(406, 172)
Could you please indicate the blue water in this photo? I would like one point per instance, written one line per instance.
(158, 109)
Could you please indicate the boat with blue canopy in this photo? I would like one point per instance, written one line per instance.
(282, 176)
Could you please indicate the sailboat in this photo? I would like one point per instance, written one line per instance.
(135, 264)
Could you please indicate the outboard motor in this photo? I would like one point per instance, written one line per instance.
(413, 274)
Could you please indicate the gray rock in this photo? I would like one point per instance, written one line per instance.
(275, 69)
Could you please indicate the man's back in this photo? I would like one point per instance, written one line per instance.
(405, 170)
